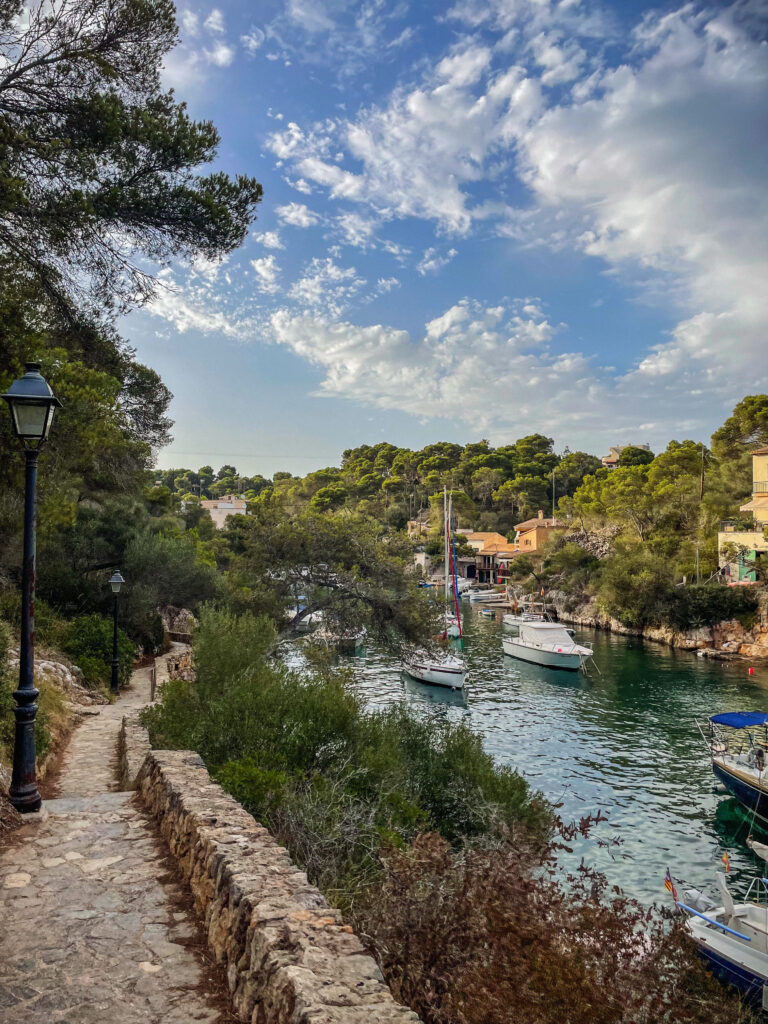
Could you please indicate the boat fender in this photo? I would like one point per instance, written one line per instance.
(759, 758)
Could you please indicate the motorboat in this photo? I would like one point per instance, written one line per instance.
(546, 643)
(447, 671)
(486, 596)
(488, 613)
(738, 746)
(733, 937)
(530, 612)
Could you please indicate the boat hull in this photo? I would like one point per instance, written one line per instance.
(733, 974)
(746, 792)
(549, 659)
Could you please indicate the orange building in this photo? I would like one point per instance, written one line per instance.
(532, 534)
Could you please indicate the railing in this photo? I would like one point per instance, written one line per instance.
(737, 526)
(760, 486)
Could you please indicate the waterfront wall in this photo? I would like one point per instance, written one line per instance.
(724, 639)
(288, 957)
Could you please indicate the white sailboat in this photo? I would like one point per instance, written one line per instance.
(450, 669)
(546, 643)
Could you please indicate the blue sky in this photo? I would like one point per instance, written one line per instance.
(481, 218)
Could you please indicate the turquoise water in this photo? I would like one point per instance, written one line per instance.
(623, 741)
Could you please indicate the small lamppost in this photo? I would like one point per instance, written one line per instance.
(115, 581)
(32, 406)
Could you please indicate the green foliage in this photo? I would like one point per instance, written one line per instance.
(98, 162)
(333, 782)
(632, 456)
(88, 641)
(745, 429)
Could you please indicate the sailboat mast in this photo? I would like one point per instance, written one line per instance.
(445, 543)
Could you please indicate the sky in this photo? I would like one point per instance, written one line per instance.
(481, 218)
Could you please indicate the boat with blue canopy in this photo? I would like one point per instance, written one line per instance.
(738, 747)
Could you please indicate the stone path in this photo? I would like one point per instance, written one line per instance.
(90, 929)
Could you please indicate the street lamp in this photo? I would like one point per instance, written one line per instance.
(32, 405)
(115, 581)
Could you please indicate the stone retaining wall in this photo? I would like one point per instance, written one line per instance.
(289, 958)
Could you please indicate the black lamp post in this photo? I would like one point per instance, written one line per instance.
(115, 581)
(32, 407)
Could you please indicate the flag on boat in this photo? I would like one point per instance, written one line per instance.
(727, 862)
(669, 885)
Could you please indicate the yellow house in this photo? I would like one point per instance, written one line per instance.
(531, 535)
(739, 547)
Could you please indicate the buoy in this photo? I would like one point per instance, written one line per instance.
(751, 671)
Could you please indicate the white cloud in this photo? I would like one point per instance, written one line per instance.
(297, 215)
(420, 151)
(215, 21)
(253, 40)
(266, 271)
(431, 262)
(473, 363)
(661, 169)
(194, 308)
(310, 14)
(221, 55)
(190, 24)
(269, 239)
(386, 284)
(326, 286)
(356, 230)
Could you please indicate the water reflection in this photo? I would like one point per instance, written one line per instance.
(622, 740)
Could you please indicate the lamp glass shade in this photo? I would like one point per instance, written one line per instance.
(32, 406)
(116, 581)
(31, 420)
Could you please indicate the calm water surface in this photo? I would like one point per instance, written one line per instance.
(623, 741)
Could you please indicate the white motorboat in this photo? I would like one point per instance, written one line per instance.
(546, 643)
(448, 671)
(733, 937)
(487, 596)
(488, 613)
(533, 612)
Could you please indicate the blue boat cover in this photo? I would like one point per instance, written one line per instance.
(740, 719)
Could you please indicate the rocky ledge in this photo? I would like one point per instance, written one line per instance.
(724, 639)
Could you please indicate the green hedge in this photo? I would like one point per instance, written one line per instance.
(88, 642)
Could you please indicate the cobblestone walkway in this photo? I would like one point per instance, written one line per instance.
(89, 930)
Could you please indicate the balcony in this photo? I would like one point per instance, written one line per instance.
(760, 486)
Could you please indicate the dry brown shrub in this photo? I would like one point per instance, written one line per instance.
(497, 935)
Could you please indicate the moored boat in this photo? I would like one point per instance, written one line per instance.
(448, 671)
(733, 937)
(546, 643)
(738, 746)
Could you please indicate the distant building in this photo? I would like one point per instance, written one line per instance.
(611, 460)
(739, 545)
(222, 508)
(493, 552)
(531, 534)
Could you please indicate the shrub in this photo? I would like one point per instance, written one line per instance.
(332, 782)
(492, 934)
(705, 605)
(88, 641)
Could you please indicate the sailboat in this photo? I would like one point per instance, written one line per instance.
(450, 669)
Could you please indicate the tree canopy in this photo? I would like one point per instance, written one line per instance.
(97, 163)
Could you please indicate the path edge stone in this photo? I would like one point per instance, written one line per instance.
(288, 957)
